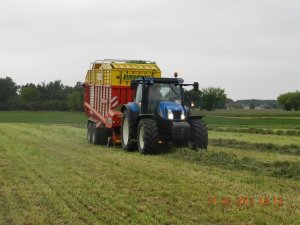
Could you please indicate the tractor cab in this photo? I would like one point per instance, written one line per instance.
(152, 95)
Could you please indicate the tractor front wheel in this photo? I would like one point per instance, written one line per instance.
(199, 135)
(147, 137)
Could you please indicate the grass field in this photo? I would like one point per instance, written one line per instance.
(249, 175)
(68, 118)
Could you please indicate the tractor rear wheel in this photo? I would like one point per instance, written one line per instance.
(199, 134)
(128, 132)
(147, 137)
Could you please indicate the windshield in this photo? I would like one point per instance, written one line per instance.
(165, 92)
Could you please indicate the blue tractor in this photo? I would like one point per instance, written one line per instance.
(158, 117)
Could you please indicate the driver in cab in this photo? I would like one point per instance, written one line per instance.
(155, 97)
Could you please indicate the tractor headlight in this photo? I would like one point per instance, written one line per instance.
(170, 114)
(182, 117)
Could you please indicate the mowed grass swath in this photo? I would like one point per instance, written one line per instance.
(50, 175)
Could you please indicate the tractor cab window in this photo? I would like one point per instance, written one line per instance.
(171, 92)
(163, 92)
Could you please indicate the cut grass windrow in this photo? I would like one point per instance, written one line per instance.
(256, 138)
(280, 122)
(255, 130)
(291, 149)
(282, 169)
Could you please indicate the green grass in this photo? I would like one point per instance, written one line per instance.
(43, 117)
(50, 175)
(252, 118)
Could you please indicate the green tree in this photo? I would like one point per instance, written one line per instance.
(75, 101)
(75, 98)
(290, 100)
(213, 98)
(56, 90)
(8, 89)
(44, 93)
(29, 93)
(29, 96)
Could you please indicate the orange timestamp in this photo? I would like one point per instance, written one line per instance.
(245, 201)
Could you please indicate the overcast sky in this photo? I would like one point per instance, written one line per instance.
(249, 47)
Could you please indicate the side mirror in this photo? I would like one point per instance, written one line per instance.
(133, 84)
(196, 86)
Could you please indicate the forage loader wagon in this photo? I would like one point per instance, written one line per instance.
(128, 102)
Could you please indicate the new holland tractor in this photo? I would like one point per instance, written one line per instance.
(158, 117)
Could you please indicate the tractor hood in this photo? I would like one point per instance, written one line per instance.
(166, 107)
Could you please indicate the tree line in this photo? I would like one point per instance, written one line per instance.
(215, 98)
(45, 96)
(56, 96)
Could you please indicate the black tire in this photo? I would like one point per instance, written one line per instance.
(99, 135)
(128, 132)
(89, 132)
(147, 137)
(199, 134)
